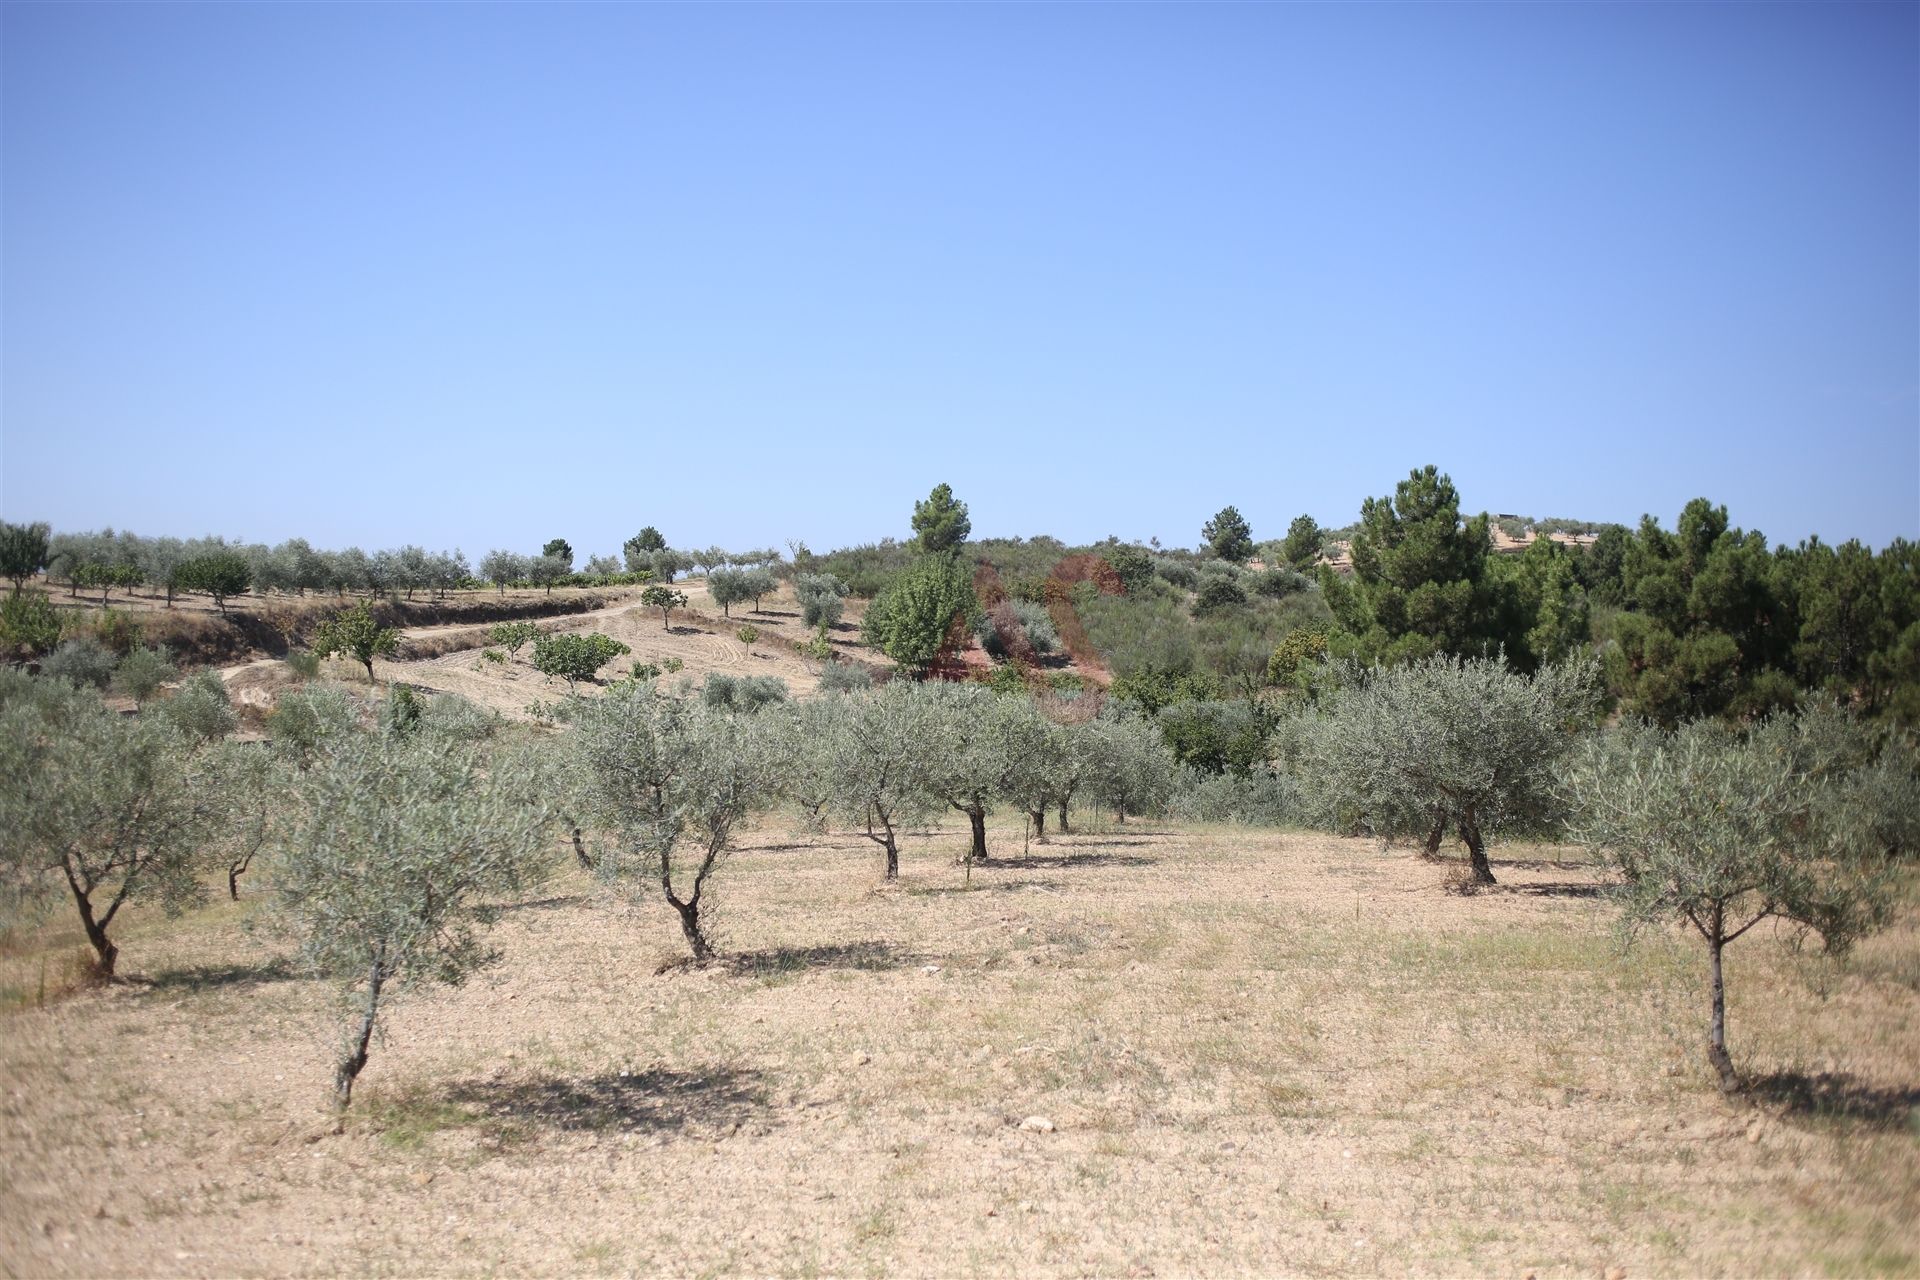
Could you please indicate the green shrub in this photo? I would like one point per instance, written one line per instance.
(119, 631)
(743, 693)
(200, 708)
(575, 657)
(845, 677)
(512, 635)
(305, 720)
(29, 625)
(142, 672)
(80, 660)
(822, 598)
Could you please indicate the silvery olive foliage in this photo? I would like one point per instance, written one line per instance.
(142, 672)
(80, 660)
(671, 779)
(728, 587)
(402, 849)
(97, 808)
(1472, 745)
(1046, 770)
(501, 567)
(1127, 765)
(308, 718)
(981, 747)
(873, 756)
(742, 693)
(822, 598)
(1724, 830)
(200, 709)
(845, 677)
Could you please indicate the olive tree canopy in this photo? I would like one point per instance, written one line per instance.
(1723, 831)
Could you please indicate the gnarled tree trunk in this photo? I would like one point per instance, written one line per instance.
(1476, 850)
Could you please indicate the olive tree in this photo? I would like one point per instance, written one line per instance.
(742, 693)
(759, 582)
(979, 745)
(79, 660)
(102, 808)
(873, 757)
(501, 567)
(250, 786)
(1469, 744)
(200, 710)
(354, 633)
(399, 855)
(1045, 772)
(545, 570)
(673, 778)
(801, 738)
(822, 598)
(1724, 831)
(1128, 766)
(305, 721)
(141, 673)
(728, 587)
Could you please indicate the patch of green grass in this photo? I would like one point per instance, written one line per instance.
(407, 1121)
(1872, 1260)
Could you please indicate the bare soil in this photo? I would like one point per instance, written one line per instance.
(1134, 1051)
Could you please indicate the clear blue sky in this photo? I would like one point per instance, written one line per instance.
(479, 276)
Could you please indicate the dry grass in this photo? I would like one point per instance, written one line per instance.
(1262, 1054)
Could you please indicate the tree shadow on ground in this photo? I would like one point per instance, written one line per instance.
(870, 955)
(1048, 861)
(1541, 864)
(215, 977)
(986, 886)
(1554, 889)
(653, 1100)
(1838, 1097)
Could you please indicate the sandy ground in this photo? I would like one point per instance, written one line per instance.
(1253, 1053)
(703, 641)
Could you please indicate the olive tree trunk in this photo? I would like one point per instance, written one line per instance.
(1717, 1055)
(356, 1060)
(1476, 850)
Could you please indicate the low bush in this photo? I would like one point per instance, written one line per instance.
(1261, 797)
(80, 660)
(845, 677)
(743, 693)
